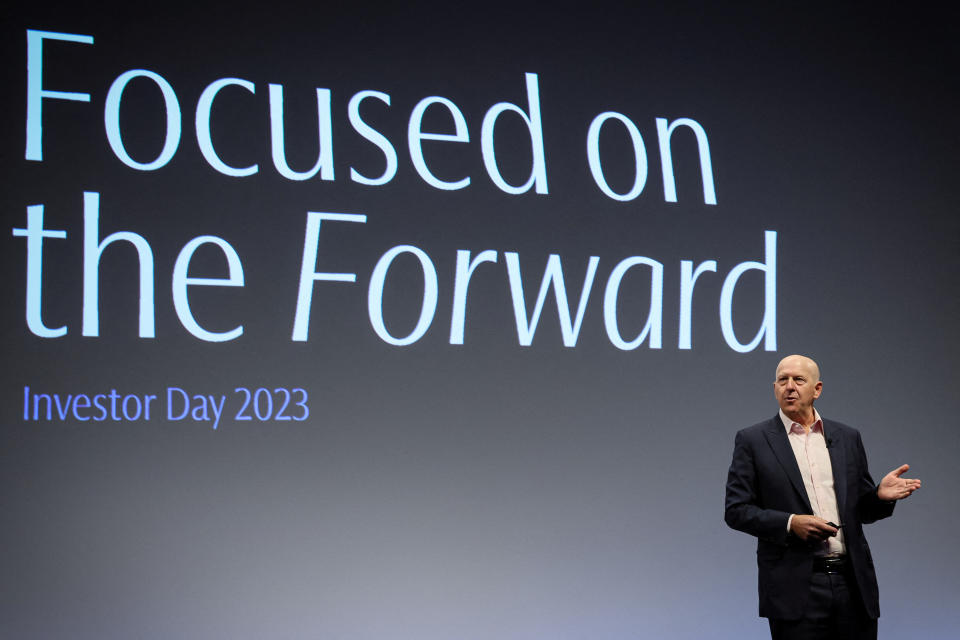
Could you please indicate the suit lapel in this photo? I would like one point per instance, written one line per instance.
(838, 464)
(776, 436)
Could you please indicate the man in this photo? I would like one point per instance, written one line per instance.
(800, 484)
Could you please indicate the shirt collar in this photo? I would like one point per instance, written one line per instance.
(788, 423)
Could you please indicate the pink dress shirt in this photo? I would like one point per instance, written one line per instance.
(813, 458)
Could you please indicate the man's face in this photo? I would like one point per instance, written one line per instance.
(797, 385)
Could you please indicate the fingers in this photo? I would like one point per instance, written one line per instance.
(812, 528)
(908, 487)
(893, 487)
(822, 529)
(900, 470)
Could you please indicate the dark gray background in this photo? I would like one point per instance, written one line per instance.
(486, 490)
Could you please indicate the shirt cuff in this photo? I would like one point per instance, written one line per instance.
(790, 521)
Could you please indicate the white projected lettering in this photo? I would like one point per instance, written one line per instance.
(553, 279)
(461, 283)
(93, 249)
(526, 326)
(768, 326)
(111, 120)
(202, 124)
(35, 91)
(324, 165)
(654, 325)
(415, 135)
(428, 306)
(181, 281)
(664, 131)
(374, 136)
(278, 141)
(35, 233)
(448, 124)
(552, 276)
(688, 278)
(538, 173)
(596, 165)
(308, 276)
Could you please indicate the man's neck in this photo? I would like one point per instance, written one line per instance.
(805, 421)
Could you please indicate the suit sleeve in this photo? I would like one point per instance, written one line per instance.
(744, 510)
(870, 508)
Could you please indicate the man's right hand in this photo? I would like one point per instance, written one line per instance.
(811, 528)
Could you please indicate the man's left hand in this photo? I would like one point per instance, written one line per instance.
(893, 487)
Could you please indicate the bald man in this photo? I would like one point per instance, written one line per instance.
(800, 484)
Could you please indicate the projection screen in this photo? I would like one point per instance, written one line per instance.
(438, 321)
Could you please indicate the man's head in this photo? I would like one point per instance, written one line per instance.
(796, 385)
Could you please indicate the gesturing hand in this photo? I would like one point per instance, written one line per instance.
(893, 487)
(811, 528)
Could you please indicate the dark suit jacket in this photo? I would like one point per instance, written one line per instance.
(764, 487)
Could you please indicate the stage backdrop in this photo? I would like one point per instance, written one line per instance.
(437, 323)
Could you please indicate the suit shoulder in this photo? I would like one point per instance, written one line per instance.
(841, 429)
